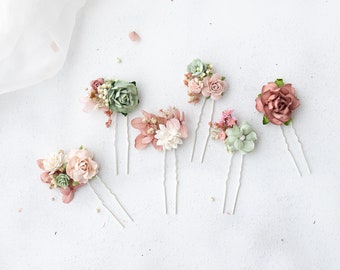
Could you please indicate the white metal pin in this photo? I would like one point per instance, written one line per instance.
(196, 129)
(208, 136)
(104, 205)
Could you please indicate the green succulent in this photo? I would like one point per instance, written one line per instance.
(123, 97)
(197, 68)
(63, 180)
(241, 138)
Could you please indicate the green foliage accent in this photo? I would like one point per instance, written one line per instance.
(279, 82)
(223, 78)
(259, 95)
(74, 184)
(133, 82)
(288, 122)
(265, 120)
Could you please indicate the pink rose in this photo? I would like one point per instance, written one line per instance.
(276, 103)
(214, 86)
(96, 83)
(195, 86)
(80, 166)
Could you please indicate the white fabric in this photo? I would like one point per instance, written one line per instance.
(34, 39)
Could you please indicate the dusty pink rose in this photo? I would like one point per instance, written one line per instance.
(214, 86)
(81, 167)
(195, 86)
(96, 83)
(276, 103)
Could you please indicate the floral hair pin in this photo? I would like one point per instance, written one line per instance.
(165, 131)
(113, 97)
(71, 171)
(277, 101)
(202, 81)
(237, 138)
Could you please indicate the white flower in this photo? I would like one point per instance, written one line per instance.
(54, 162)
(169, 136)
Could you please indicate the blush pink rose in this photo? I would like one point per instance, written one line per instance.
(276, 103)
(214, 86)
(96, 83)
(81, 167)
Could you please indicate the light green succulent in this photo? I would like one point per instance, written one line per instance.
(63, 180)
(197, 68)
(241, 138)
(123, 97)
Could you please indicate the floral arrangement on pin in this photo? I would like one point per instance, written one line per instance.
(113, 97)
(201, 81)
(237, 138)
(70, 171)
(165, 131)
(277, 102)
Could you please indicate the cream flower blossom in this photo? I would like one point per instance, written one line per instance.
(169, 136)
(54, 162)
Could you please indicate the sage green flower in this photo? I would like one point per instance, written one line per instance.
(123, 97)
(63, 180)
(241, 138)
(197, 68)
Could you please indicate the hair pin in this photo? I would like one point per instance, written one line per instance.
(202, 81)
(71, 171)
(165, 131)
(277, 101)
(113, 97)
(237, 138)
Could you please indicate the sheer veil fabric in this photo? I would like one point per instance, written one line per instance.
(34, 40)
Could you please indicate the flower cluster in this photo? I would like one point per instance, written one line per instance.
(111, 96)
(201, 80)
(236, 137)
(68, 172)
(164, 131)
(277, 101)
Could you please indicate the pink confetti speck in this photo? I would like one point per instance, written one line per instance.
(134, 36)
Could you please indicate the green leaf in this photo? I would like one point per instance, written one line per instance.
(207, 97)
(265, 120)
(288, 122)
(75, 183)
(259, 95)
(279, 82)
(133, 82)
(81, 147)
(125, 114)
(223, 78)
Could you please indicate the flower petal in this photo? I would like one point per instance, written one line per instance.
(251, 136)
(248, 146)
(238, 144)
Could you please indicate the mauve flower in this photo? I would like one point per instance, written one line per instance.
(95, 83)
(277, 103)
(173, 112)
(68, 193)
(81, 167)
(241, 138)
(214, 86)
(195, 86)
(147, 127)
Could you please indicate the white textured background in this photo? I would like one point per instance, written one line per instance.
(282, 221)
